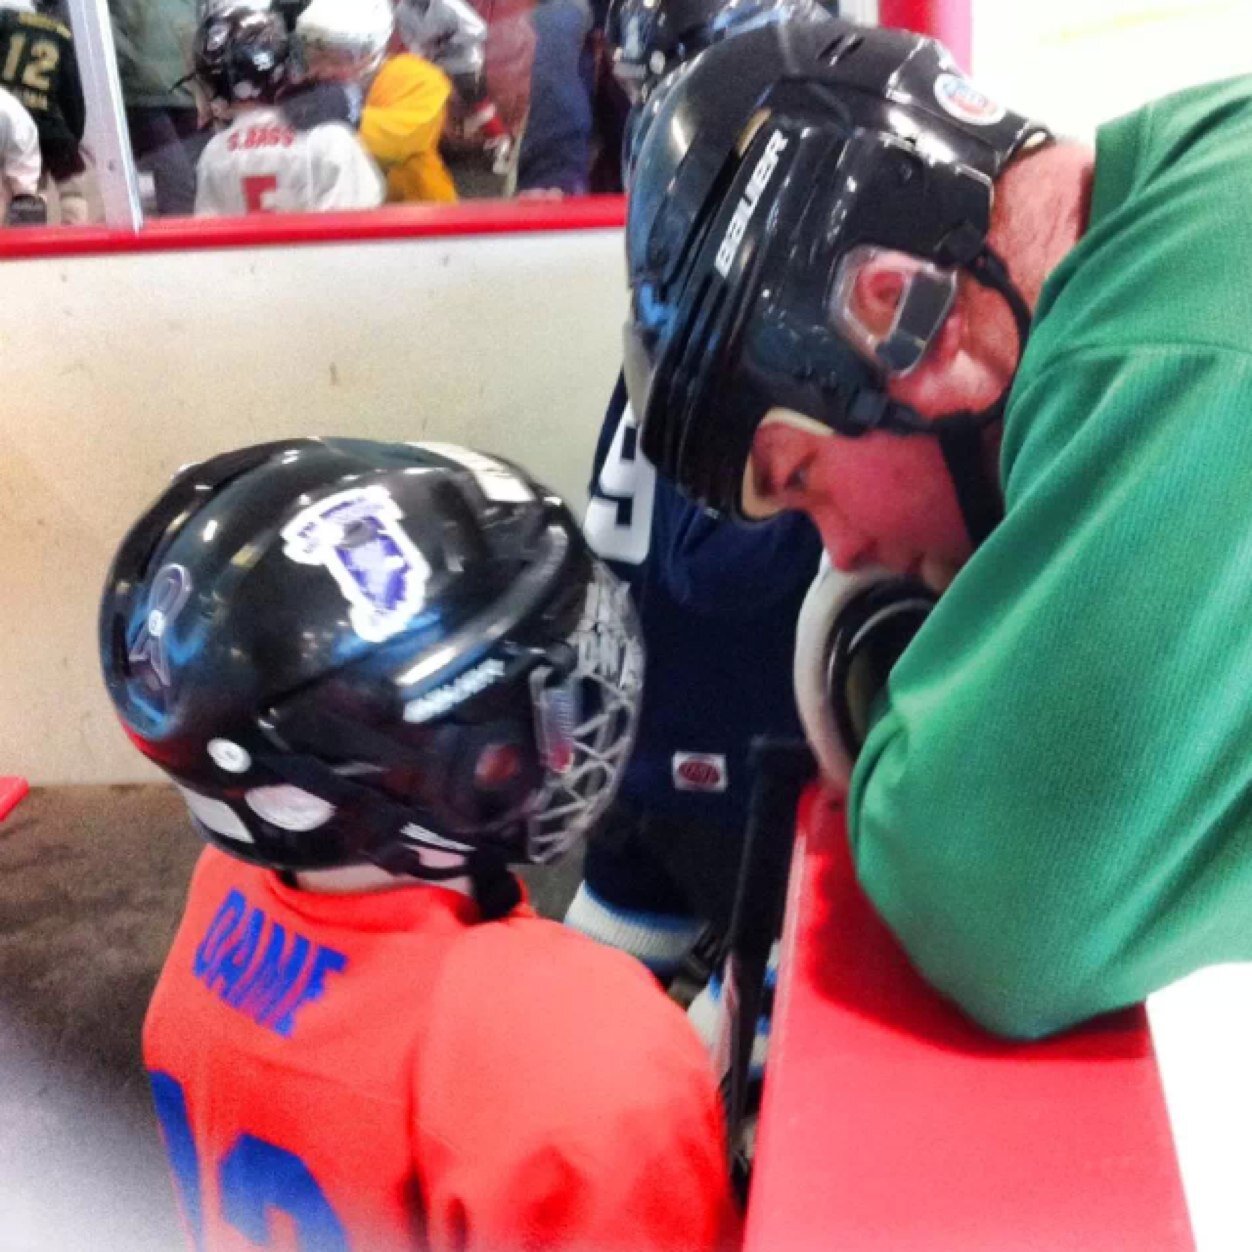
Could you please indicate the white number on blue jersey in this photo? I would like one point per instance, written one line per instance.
(618, 524)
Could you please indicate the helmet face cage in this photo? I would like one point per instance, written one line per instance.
(586, 721)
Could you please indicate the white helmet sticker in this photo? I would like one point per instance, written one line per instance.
(959, 98)
(767, 163)
(228, 756)
(463, 687)
(290, 808)
(217, 815)
(500, 483)
(357, 536)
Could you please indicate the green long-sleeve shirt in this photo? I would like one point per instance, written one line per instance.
(153, 39)
(1054, 812)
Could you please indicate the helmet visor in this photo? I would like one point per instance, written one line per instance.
(889, 306)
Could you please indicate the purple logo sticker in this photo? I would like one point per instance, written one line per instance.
(357, 536)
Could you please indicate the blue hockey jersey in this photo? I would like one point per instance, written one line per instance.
(718, 604)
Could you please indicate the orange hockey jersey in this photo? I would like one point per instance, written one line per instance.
(383, 1071)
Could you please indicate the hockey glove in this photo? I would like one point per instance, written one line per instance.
(851, 631)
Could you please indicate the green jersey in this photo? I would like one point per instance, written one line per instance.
(1054, 812)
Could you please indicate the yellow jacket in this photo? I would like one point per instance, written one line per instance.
(401, 126)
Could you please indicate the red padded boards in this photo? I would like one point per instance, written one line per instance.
(890, 1122)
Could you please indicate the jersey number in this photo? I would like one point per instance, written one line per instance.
(618, 524)
(37, 68)
(256, 192)
(255, 1179)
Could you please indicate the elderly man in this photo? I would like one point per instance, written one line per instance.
(1021, 370)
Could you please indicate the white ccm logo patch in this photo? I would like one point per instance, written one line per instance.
(436, 703)
(764, 171)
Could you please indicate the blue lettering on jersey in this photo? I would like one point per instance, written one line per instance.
(271, 988)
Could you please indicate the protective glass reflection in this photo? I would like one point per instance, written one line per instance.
(889, 306)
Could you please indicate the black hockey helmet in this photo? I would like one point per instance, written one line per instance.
(346, 651)
(649, 38)
(242, 54)
(775, 160)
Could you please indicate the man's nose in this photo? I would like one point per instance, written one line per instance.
(847, 550)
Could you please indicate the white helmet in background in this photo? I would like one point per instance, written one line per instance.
(211, 8)
(451, 33)
(344, 40)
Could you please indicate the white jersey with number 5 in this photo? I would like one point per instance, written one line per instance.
(261, 164)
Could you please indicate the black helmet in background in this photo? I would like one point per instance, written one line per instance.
(241, 53)
(649, 38)
(345, 651)
(774, 165)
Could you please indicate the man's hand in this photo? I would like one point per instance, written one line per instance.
(851, 631)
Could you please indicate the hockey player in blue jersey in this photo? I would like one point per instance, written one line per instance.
(718, 604)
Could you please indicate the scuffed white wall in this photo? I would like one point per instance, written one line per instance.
(1076, 63)
(119, 369)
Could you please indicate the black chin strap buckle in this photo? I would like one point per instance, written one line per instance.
(496, 889)
(868, 410)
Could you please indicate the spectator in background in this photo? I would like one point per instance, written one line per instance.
(262, 162)
(610, 109)
(38, 65)
(481, 165)
(20, 166)
(556, 147)
(402, 122)
(153, 40)
(452, 35)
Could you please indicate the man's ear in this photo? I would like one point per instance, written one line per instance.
(876, 294)
(947, 343)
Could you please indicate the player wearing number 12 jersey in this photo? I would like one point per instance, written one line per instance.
(262, 162)
(380, 674)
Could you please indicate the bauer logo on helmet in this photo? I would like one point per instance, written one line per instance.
(746, 207)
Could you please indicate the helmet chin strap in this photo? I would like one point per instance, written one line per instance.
(495, 888)
(961, 436)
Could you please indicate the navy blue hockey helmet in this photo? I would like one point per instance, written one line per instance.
(773, 160)
(649, 38)
(345, 651)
